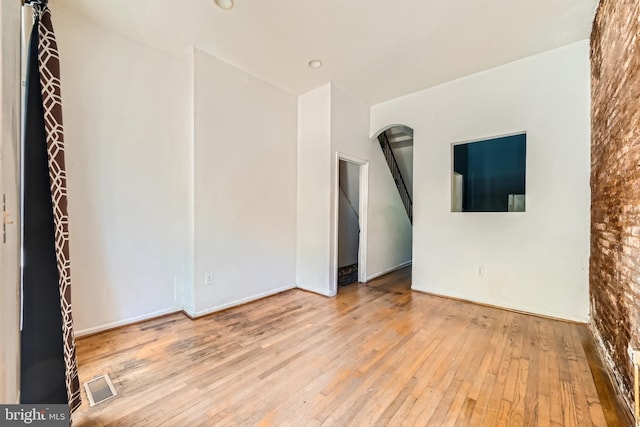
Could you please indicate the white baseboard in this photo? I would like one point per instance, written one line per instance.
(389, 270)
(496, 304)
(316, 291)
(199, 313)
(190, 312)
(94, 330)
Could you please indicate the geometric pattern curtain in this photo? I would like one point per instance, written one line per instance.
(49, 364)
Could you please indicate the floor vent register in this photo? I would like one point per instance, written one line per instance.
(99, 389)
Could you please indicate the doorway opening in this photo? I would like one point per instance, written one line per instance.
(351, 201)
(396, 144)
(348, 222)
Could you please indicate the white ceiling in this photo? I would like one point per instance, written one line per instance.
(376, 49)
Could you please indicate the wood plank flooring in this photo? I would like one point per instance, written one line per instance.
(376, 355)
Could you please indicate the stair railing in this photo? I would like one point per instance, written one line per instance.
(396, 174)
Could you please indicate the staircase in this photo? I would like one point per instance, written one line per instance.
(383, 139)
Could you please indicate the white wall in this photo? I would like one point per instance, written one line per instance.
(313, 257)
(177, 166)
(535, 261)
(245, 185)
(124, 111)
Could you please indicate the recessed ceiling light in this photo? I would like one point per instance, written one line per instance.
(224, 4)
(315, 63)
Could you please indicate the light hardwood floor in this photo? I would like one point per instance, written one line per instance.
(376, 355)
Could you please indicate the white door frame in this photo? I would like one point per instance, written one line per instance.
(363, 207)
(10, 27)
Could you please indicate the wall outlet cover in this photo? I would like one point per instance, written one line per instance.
(208, 278)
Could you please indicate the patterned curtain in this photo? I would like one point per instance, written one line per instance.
(49, 371)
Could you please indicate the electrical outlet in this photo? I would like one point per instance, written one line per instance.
(208, 278)
(480, 270)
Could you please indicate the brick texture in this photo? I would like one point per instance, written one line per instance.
(615, 185)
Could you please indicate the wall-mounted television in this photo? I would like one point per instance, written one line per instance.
(489, 175)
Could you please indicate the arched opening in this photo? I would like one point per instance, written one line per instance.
(396, 142)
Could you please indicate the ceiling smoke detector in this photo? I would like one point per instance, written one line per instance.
(224, 4)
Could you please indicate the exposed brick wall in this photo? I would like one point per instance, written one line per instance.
(615, 184)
